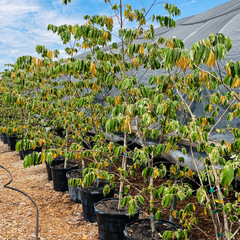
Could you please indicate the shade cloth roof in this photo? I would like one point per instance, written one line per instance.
(223, 19)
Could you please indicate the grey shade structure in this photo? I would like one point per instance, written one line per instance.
(221, 19)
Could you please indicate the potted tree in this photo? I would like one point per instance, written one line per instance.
(155, 112)
(216, 172)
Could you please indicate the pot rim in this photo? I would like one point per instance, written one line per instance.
(74, 170)
(53, 167)
(54, 160)
(95, 191)
(143, 219)
(114, 214)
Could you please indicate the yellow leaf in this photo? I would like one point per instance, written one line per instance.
(160, 235)
(174, 214)
(168, 87)
(155, 174)
(235, 82)
(208, 85)
(73, 29)
(190, 172)
(129, 126)
(229, 72)
(165, 108)
(185, 224)
(34, 146)
(43, 157)
(49, 54)
(205, 211)
(167, 150)
(194, 207)
(106, 164)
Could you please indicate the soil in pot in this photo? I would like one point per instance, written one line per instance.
(59, 175)
(55, 161)
(69, 165)
(111, 221)
(74, 192)
(141, 229)
(111, 207)
(90, 196)
(75, 174)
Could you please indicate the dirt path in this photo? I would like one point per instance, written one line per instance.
(59, 218)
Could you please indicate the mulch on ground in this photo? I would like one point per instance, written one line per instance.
(59, 218)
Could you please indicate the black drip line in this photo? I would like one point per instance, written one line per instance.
(6, 186)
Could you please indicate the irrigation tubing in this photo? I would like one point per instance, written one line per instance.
(6, 186)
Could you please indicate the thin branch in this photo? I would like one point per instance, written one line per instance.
(220, 118)
(219, 81)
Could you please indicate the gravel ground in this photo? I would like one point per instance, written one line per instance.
(59, 218)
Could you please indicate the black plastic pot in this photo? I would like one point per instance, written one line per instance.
(89, 198)
(111, 225)
(29, 151)
(12, 142)
(21, 155)
(59, 177)
(4, 138)
(1, 136)
(56, 161)
(74, 192)
(8, 141)
(172, 224)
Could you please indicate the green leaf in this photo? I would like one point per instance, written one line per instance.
(140, 199)
(228, 44)
(228, 208)
(123, 202)
(230, 116)
(200, 195)
(227, 175)
(220, 51)
(158, 215)
(196, 71)
(108, 126)
(184, 150)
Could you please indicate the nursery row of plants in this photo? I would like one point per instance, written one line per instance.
(96, 108)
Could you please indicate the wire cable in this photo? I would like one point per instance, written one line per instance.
(6, 186)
